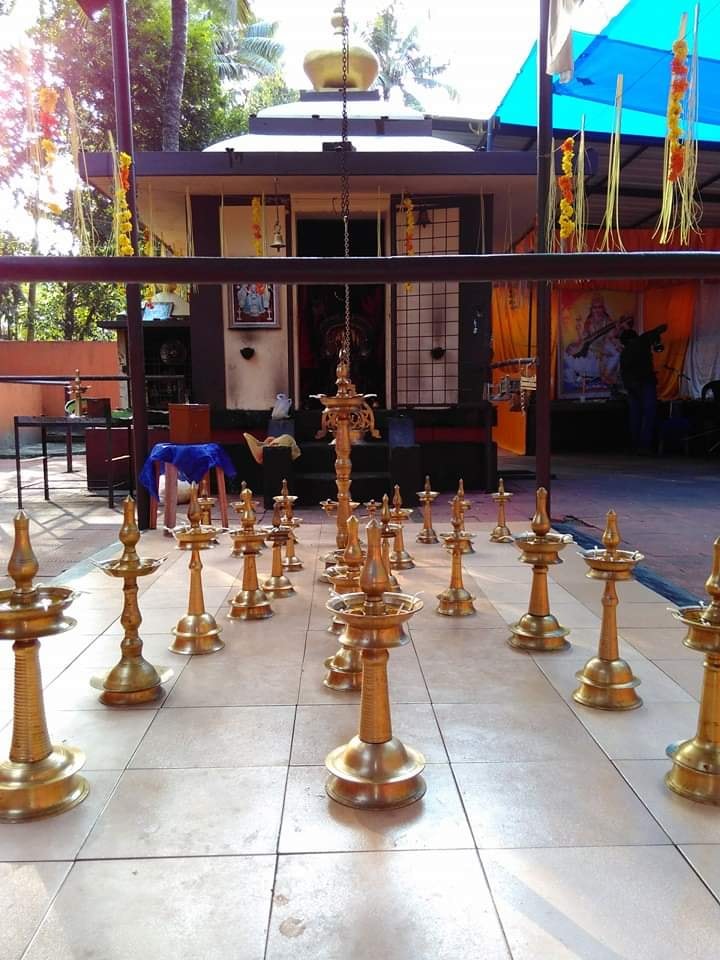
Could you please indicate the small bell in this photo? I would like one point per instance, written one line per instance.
(278, 241)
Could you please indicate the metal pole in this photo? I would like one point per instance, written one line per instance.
(136, 353)
(543, 290)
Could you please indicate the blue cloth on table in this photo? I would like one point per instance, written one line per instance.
(191, 460)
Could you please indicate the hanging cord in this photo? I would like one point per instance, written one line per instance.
(344, 178)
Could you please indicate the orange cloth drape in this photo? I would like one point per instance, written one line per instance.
(674, 306)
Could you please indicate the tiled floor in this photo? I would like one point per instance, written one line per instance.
(546, 832)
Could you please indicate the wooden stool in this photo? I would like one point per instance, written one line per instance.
(171, 478)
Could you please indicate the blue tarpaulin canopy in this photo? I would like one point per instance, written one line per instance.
(636, 43)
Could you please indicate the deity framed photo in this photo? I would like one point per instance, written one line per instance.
(252, 305)
(590, 323)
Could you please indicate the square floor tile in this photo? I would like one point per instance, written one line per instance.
(512, 731)
(333, 905)
(553, 803)
(319, 728)
(705, 860)
(73, 690)
(180, 813)
(217, 737)
(602, 903)
(570, 615)
(641, 734)
(105, 651)
(654, 684)
(485, 679)
(108, 738)
(684, 820)
(56, 838)
(234, 681)
(486, 616)
(180, 909)
(645, 615)
(313, 822)
(686, 673)
(26, 891)
(659, 643)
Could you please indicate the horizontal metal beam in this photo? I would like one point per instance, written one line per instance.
(477, 268)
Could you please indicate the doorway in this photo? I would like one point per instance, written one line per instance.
(321, 313)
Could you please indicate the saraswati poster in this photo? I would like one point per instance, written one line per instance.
(589, 328)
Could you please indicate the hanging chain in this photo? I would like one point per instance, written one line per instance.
(344, 178)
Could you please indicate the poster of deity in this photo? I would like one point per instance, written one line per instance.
(252, 304)
(589, 328)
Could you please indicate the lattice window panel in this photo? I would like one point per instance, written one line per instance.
(428, 317)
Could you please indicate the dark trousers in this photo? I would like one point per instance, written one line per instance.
(642, 401)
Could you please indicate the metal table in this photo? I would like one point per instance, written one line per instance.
(67, 423)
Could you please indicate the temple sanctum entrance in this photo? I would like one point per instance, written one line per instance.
(321, 318)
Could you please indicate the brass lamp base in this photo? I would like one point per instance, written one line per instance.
(292, 563)
(196, 634)
(132, 680)
(695, 772)
(456, 602)
(375, 776)
(466, 546)
(501, 534)
(607, 685)
(250, 605)
(401, 560)
(42, 788)
(539, 634)
(278, 587)
(427, 536)
(344, 669)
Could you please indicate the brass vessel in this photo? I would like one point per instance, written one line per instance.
(197, 632)
(400, 559)
(345, 667)
(39, 779)
(277, 584)
(456, 601)
(501, 532)
(606, 681)
(132, 679)
(538, 630)
(287, 503)
(695, 772)
(375, 770)
(250, 602)
(426, 497)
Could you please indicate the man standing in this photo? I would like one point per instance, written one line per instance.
(638, 377)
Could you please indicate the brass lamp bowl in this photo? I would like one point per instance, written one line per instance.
(606, 566)
(43, 619)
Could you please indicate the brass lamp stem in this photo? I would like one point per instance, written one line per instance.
(196, 601)
(608, 648)
(375, 723)
(250, 579)
(30, 738)
(130, 619)
(343, 470)
(456, 580)
(708, 729)
(539, 605)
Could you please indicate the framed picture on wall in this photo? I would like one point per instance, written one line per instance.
(252, 305)
(589, 347)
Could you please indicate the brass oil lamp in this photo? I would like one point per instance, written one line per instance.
(388, 532)
(40, 778)
(695, 772)
(250, 603)
(375, 770)
(344, 668)
(277, 584)
(132, 679)
(198, 631)
(538, 630)
(501, 532)
(607, 681)
(400, 559)
(239, 508)
(456, 601)
(467, 538)
(426, 498)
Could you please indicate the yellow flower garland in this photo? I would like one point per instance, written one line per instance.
(257, 226)
(123, 225)
(409, 231)
(566, 219)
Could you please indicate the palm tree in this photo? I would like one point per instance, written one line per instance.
(242, 48)
(400, 59)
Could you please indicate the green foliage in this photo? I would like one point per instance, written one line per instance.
(400, 59)
(267, 92)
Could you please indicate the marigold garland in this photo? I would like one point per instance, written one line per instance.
(48, 122)
(257, 226)
(409, 208)
(566, 219)
(123, 226)
(678, 88)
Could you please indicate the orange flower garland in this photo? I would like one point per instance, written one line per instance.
(566, 219)
(678, 89)
(47, 119)
(257, 226)
(409, 230)
(123, 224)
